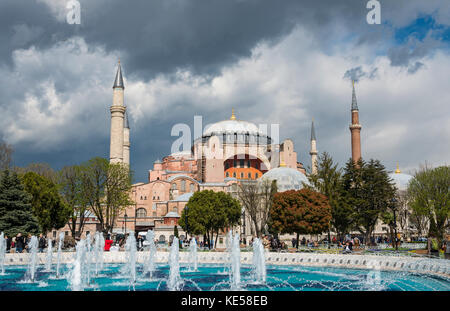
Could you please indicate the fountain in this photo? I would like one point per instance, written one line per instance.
(33, 248)
(48, 263)
(151, 267)
(78, 275)
(88, 257)
(259, 261)
(98, 251)
(235, 260)
(174, 282)
(193, 262)
(288, 271)
(131, 249)
(58, 256)
(2, 253)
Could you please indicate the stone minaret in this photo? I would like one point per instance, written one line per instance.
(117, 120)
(355, 128)
(126, 141)
(313, 151)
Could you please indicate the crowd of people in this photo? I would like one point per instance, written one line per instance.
(21, 243)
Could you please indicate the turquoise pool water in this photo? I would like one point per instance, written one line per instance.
(215, 277)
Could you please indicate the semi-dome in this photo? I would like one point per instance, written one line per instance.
(287, 178)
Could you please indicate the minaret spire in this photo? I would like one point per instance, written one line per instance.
(355, 128)
(354, 102)
(313, 151)
(118, 81)
(118, 109)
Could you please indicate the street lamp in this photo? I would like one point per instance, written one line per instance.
(243, 222)
(394, 208)
(135, 208)
(186, 221)
(125, 217)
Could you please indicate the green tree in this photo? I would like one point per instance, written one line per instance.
(16, 214)
(70, 179)
(328, 181)
(302, 212)
(48, 206)
(429, 195)
(370, 192)
(210, 212)
(106, 189)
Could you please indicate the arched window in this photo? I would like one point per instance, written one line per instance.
(192, 187)
(162, 238)
(242, 175)
(234, 174)
(175, 210)
(174, 186)
(249, 175)
(141, 213)
(183, 185)
(227, 174)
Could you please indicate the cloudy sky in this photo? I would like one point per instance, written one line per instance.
(280, 62)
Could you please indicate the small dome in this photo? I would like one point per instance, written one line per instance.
(287, 178)
(233, 126)
(172, 215)
(401, 180)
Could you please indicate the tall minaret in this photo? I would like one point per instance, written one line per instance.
(313, 151)
(355, 128)
(117, 120)
(126, 141)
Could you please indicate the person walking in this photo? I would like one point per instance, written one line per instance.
(41, 244)
(20, 243)
(8, 243)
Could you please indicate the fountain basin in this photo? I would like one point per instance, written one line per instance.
(439, 267)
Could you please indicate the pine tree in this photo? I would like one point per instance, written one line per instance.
(16, 214)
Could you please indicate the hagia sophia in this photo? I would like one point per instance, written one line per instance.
(227, 152)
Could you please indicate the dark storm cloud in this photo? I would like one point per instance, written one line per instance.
(159, 37)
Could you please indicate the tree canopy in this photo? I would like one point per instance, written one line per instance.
(16, 214)
(429, 196)
(300, 211)
(48, 206)
(208, 212)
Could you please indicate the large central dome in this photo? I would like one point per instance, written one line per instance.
(231, 127)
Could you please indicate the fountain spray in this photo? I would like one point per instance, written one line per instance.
(259, 261)
(58, 257)
(150, 267)
(48, 263)
(131, 249)
(174, 282)
(193, 255)
(235, 263)
(2, 253)
(33, 248)
(88, 257)
(78, 275)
